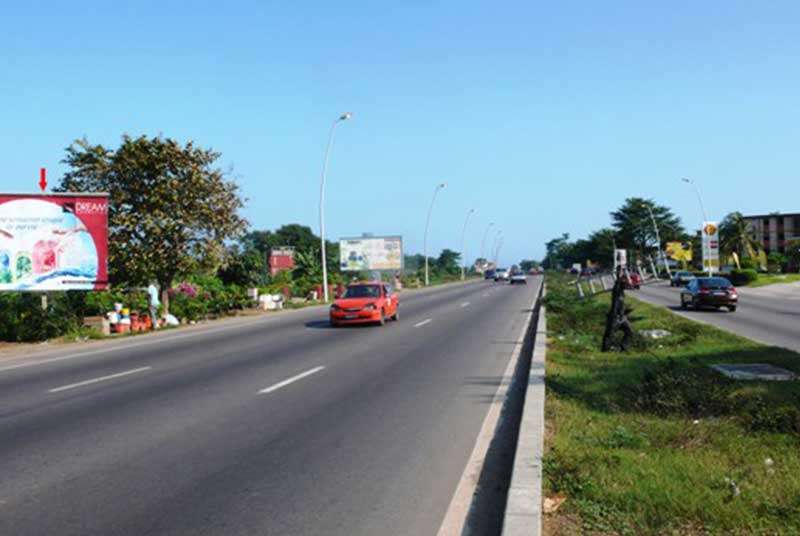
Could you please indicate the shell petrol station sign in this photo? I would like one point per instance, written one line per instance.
(53, 242)
(710, 246)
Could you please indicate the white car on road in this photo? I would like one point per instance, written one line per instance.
(501, 274)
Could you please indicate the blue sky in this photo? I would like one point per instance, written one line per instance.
(543, 116)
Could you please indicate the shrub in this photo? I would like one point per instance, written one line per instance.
(22, 318)
(776, 262)
(743, 277)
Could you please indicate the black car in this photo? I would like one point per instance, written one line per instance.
(489, 274)
(714, 292)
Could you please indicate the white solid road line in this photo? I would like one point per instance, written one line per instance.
(96, 380)
(420, 324)
(293, 379)
(465, 304)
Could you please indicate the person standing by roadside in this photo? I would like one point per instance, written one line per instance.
(152, 293)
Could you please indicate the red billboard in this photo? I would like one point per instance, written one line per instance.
(53, 242)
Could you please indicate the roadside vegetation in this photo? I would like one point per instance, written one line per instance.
(174, 218)
(633, 228)
(653, 441)
(771, 279)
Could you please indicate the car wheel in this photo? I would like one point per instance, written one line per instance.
(684, 305)
(732, 308)
(382, 321)
(396, 315)
(335, 324)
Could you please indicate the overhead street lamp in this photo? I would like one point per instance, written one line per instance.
(497, 251)
(483, 242)
(463, 235)
(440, 186)
(344, 117)
(705, 217)
(494, 246)
(658, 239)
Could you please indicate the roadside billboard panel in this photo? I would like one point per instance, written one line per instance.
(679, 251)
(371, 253)
(51, 242)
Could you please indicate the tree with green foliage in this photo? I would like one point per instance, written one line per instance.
(557, 249)
(736, 236)
(526, 264)
(300, 237)
(633, 226)
(170, 210)
(448, 262)
(244, 267)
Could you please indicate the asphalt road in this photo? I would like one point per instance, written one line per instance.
(278, 425)
(769, 315)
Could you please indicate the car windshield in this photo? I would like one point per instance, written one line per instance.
(715, 282)
(502, 269)
(684, 274)
(362, 291)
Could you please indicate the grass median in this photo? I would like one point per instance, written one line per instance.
(653, 441)
(772, 279)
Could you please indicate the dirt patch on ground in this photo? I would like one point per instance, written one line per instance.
(561, 525)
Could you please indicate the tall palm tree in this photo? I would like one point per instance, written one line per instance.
(736, 236)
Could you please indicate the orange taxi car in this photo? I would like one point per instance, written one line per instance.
(364, 303)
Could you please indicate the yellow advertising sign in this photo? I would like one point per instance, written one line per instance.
(679, 251)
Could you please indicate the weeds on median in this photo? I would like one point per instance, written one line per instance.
(654, 441)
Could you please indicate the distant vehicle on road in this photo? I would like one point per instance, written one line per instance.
(681, 279)
(489, 274)
(501, 274)
(714, 292)
(517, 276)
(365, 303)
(631, 280)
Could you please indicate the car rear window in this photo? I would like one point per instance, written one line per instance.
(715, 282)
(362, 291)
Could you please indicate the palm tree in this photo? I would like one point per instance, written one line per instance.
(735, 236)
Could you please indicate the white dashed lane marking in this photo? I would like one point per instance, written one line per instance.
(291, 380)
(97, 380)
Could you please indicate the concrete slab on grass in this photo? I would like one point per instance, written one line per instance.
(755, 371)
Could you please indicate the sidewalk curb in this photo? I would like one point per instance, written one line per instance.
(523, 513)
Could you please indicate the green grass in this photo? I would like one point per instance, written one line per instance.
(771, 279)
(655, 442)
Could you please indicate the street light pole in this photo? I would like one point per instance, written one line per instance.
(497, 252)
(344, 117)
(463, 253)
(483, 242)
(705, 217)
(658, 239)
(427, 224)
(494, 246)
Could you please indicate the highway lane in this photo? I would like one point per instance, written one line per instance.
(276, 426)
(771, 316)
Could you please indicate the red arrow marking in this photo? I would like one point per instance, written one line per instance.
(43, 178)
